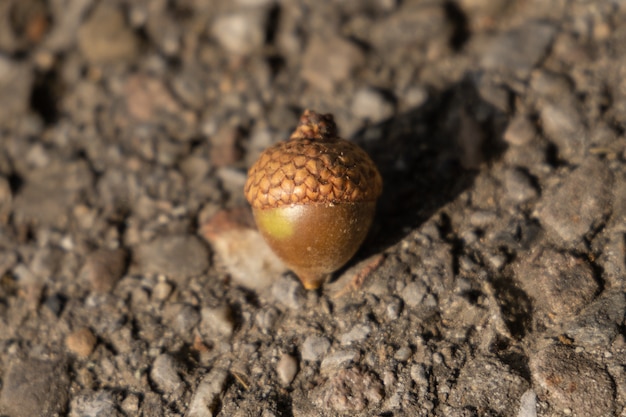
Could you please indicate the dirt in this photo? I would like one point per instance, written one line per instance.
(133, 281)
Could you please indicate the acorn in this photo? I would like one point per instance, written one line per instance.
(313, 198)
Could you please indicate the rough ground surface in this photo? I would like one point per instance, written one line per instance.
(492, 283)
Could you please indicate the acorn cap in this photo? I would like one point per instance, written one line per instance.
(313, 166)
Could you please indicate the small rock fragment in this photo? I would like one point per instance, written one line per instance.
(16, 82)
(327, 62)
(204, 402)
(288, 292)
(528, 404)
(94, 404)
(519, 50)
(105, 37)
(177, 257)
(164, 373)
(372, 105)
(562, 124)
(216, 322)
(518, 186)
(103, 268)
(287, 368)
(487, 384)
(240, 33)
(579, 204)
(349, 390)
(81, 342)
(314, 348)
(357, 334)
(559, 283)
(520, 131)
(181, 317)
(568, 379)
(34, 387)
(338, 359)
(248, 259)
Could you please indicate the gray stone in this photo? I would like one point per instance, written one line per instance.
(286, 368)
(599, 323)
(205, 399)
(486, 384)
(289, 292)
(16, 81)
(338, 359)
(519, 50)
(356, 334)
(164, 373)
(560, 284)
(372, 105)
(181, 318)
(349, 390)
(562, 124)
(579, 204)
(414, 293)
(528, 404)
(314, 348)
(103, 268)
(95, 404)
(49, 192)
(216, 322)
(34, 387)
(567, 379)
(518, 186)
(105, 37)
(329, 61)
(242, 250)
(240, 33)
(177, 257)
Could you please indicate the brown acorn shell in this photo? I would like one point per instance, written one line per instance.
(312, 167)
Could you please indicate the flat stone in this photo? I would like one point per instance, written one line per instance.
(570, 380)
(248, 259)
(528, 404)
(94, 404)
(518, 186)
(103, 268)
(164, 373)
(240, 33)
(314, 348)
(562, 124)
(34, 387)
(216, 322)
(519, 50)
(372, 105)
(579, 204)
(356, 334)
(488, 385)
(520, 131)
(204, 402)
(328, 62)
(560, 284)
(181, 317)
(105, 37)
(16, 82)
(177, 257)
(349, 390)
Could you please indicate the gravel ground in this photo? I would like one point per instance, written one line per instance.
(132, 282)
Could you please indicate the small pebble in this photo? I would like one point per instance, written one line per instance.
(240, 33)
(287, 368)
(81, 342)
(520, 131)
(357, 334)
(207, 393)
(314, 348)
(372, 105)
(164, 373)
(176, 257)
(103, 268)
(216, 322)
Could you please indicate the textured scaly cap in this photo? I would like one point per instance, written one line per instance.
(313, 166)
